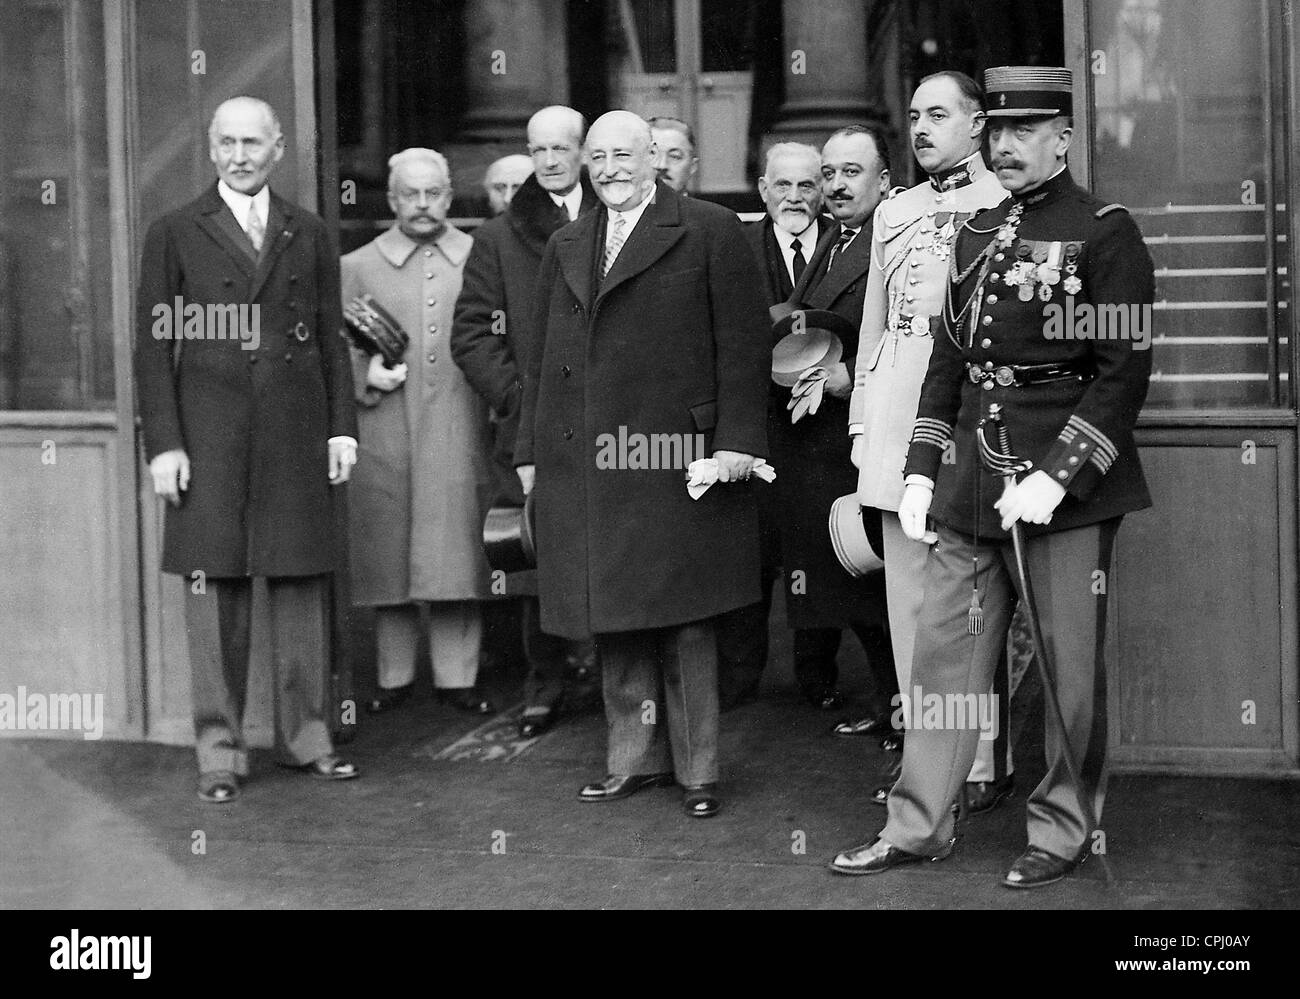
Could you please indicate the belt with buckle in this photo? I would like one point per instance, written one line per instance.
(1020, 375)
(912, 325)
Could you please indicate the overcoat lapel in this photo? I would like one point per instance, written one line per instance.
(216, 220)
(659, 228)
(280, 229)
(848, 267)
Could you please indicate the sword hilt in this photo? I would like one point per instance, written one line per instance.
(998, 457)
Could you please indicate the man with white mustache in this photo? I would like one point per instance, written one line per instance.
(782, 244)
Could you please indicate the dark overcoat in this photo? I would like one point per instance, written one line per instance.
(816, 451)
(495, 308)
(255, 423)
(664, 345)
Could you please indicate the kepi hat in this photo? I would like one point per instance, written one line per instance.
(1028, 91)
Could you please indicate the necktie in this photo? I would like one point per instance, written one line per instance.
(846, 237)
(256, 229)
(615, 243)
(799, 262)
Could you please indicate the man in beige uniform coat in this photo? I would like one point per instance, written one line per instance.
(416, 511)
(912, 238)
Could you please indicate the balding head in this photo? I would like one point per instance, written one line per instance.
(620, 154)
(503, 178)
(555, 145)
(245, 143)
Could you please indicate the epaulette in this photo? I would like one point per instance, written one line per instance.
(1103, 212)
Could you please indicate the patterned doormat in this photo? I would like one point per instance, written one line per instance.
(495, 741)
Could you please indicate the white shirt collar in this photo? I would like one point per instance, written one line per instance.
(807, 240)
(241, 204)
(631, 215)
(571, 202)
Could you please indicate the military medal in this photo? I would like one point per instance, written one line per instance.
(1072, 284)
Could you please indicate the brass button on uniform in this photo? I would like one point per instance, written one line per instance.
(432, 356)
(1063, 474)
(993, 299)
(986, 343)
(433, 301)
(1074, 459)
(987, 320)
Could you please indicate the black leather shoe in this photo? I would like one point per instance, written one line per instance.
(467, 699)
(984, 795)
(1036, 868)
(330, 767)
(701, 800)
(892, 743)
(879, 725)
(531, 726)
(824, 698)
(386, 700)
(878, 856)
(218, 788)
(880, 796)
(612, 788)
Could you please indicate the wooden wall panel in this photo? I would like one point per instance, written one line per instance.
(60, 572)
(1203, 608)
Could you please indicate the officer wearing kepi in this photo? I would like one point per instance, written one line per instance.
(1069, 404)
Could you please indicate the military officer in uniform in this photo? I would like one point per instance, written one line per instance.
(912, 238)
(1070, 398)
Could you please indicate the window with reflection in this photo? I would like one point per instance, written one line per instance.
(1182, 136)
(56, 337)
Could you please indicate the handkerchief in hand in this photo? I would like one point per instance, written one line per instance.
(703, 472)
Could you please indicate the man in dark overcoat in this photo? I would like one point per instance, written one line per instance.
(489, 338)
(248, 420)
(782, 243)
(822, 599)
(645, 316)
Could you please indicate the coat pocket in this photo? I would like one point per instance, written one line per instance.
(705, 415)
(687, 276)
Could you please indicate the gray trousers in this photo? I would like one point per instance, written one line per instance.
(947, 661)
(661, 701)
(217, 623)
(904, 588)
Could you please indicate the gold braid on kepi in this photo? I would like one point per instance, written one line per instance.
(374, 331)
(1028, 91)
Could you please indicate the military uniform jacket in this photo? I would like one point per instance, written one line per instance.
(423, 475)
(1078, 431)
(255, 423)
(912, 237)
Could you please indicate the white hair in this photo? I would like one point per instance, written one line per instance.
(417, 154)
(268, 112)
(791, 149)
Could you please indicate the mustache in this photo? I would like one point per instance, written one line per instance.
(1006, 163)
(922, 144)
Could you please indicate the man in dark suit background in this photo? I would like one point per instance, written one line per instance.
(816, 451)
(645, 318)
(245, 430)
(782, 244)
(490, 338)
